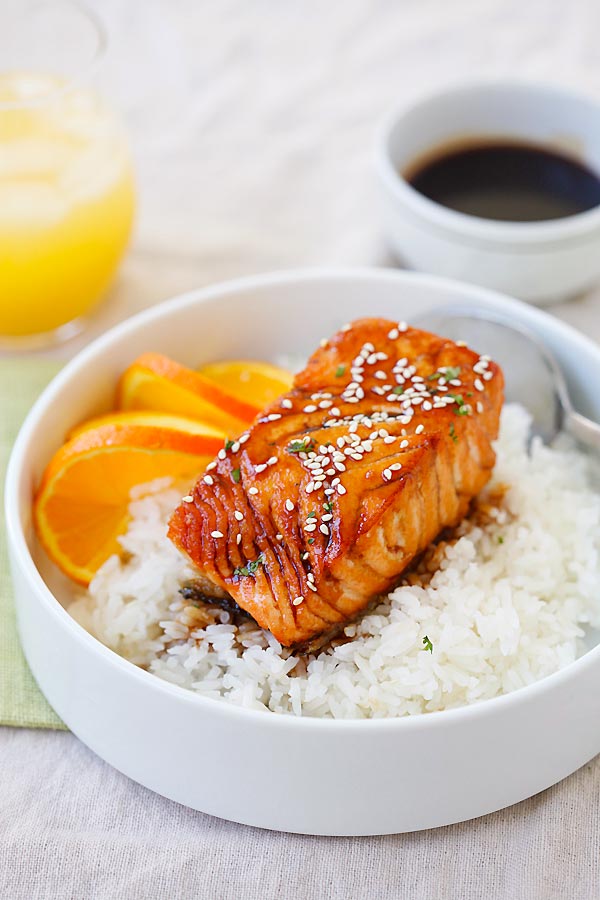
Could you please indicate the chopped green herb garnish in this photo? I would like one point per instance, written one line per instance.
(229, 444)
(427, 645)
(435, 376)
(235, 475)
(469, 393)
(328, 507)
(340, 371)
(451, 372)
(250, 568)
(312, 514)
(458, 398)
(464, 411)
(453, 433)
(311, 541)
(500, 539)
(398, 389)
(301, 446)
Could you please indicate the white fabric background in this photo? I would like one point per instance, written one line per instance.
(252, 124)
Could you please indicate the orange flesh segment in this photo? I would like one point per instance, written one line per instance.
(82, 504)
(257, 382)
(155, 382)
(148, 418)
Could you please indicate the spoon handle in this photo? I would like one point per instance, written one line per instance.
(586, 431)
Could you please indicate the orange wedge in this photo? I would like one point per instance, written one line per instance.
(81, 506)
(257, 383)
(155, 382)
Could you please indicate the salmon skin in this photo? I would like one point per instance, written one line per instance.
(321, 505)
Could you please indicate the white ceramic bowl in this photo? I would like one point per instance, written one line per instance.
(304, 775)
(541, 262)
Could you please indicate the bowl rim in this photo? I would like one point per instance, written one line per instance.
(218, 707)
(523, 237)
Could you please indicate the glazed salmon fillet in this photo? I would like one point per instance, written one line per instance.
(321, 505)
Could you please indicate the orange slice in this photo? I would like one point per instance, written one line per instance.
(156, 419)
(258, 383)
(155, 382)
(81, 506)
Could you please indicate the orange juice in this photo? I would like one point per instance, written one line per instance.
(66, 202)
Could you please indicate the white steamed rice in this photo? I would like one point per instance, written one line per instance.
(507, 601)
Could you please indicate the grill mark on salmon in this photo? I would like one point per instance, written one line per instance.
(382, 442)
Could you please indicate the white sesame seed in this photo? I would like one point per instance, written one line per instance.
(389, 439)
(419, 429)
(298, 600)
(310, 527)
(253, 490)
(341, 489)
(427, 406)
(346, 327)
(216, 534)
(242, 438)
(386, 475)
(211, 466)
(330, 471)
(395, 467)
(455, 381)
(311, 408)
(327, 517)
(310, 576)
(403, 444)
(187, 499)
(402, 326)
(487, 376)
(479, 384)
(238, 539)
(479, 406)
(323, 342)
(324, 529)
(310, 487)
(305, 555)
(208, 479)
(239, 516)
(328, 492)
(279, 537)
(273, 417)
(287, 403)
(260, 468)
(221, 454)
(312, 587)
(324, 404)
(335, 411)
(271, 460)
(289, 505)
(394, 334)
(461, 343)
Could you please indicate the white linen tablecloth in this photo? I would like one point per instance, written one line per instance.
(252, 125)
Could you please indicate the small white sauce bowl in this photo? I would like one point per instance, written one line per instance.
(540, 262)
(316, 776)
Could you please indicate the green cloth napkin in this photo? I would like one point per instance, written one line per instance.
(21, 702)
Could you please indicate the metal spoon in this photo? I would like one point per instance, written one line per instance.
(532, 375)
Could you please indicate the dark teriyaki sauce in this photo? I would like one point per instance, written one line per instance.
(506, 181)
